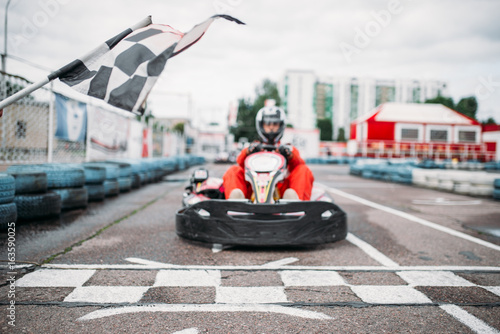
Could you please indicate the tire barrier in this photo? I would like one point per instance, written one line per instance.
(95, 192)
(111, 188)
(496, 188)
(58, 175)
(38, 206)
(7, 188)
(30, 182)
(38, 191)
(125, 184)
(73, 198)
(466, 182)
(8, 214)
(8, 209)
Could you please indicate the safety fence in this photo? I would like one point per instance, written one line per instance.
(46, 127)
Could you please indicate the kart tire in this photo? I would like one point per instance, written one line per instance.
(30, 182)
(496, 183)
(36, 206)
(96, 192)
(73, 198)
(112, 188)
(58, 175)
(8, 214)
(7, 188)
(125, 184)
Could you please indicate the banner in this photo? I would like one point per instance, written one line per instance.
(108, 133)
(71, 119)
(306, 141)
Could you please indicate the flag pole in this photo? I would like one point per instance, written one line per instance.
(31, 88)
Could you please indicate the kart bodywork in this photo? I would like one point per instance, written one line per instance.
(263, 221)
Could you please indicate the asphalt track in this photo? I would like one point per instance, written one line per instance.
(415, 261)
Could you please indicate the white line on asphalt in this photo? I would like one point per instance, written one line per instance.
(295, 312)
(250, 295)
(371, 251)
(259, 267)
(188, 331)
(279, 263)
(468, 319)
(413, 218)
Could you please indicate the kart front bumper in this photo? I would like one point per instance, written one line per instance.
(243, 223)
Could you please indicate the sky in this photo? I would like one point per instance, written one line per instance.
(456, 41)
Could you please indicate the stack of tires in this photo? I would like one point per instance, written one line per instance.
(496, 189)
(8, 209)
(94, 182)
(112, 172)
(125, 176)
(70, 186)
(42, 191)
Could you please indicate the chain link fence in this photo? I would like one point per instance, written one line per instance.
(25, 125)
(28, 128)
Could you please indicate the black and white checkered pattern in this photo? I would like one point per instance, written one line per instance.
(124, 69)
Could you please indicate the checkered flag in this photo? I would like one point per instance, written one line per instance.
(123, 70)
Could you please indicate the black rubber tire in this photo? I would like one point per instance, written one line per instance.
(94, 174)
(112, 170)
(8, 214)
(96, 192)
(125, 168)
(112, 188)
(58, 175)
(496, 183)
(125, 184)
(73, 198)
(136, 181)
(143, 178)
(30, 182)
(496, 193)
(7, 188)
(36, 206)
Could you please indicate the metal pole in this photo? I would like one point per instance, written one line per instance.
(4, 55)
(50, 145)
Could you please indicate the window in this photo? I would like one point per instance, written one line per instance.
(409, 134)
(21, 129)
(438, 135)
(467, 136)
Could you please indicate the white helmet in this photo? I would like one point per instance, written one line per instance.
(269, 115)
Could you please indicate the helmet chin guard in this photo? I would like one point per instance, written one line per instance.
(269, 115)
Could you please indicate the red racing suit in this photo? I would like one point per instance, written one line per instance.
(300, 177)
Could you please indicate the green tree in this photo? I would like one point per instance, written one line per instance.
(268, 90)
(247, 110)
(446, 101)
(341, 135)
(467, 106)
(245, 122)
(489, 121)
(179, 127)
(325, 129)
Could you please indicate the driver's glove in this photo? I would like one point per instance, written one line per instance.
(286, 151)
(254, 147)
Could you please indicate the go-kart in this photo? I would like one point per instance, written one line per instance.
(265, 220)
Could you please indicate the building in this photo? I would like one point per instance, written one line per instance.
(308, 97)
(429, 131)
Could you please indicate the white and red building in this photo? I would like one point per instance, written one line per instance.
(418, 130)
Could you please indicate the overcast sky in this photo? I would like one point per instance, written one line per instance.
(457, 41)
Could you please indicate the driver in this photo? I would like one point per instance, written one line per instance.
(270, 124)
